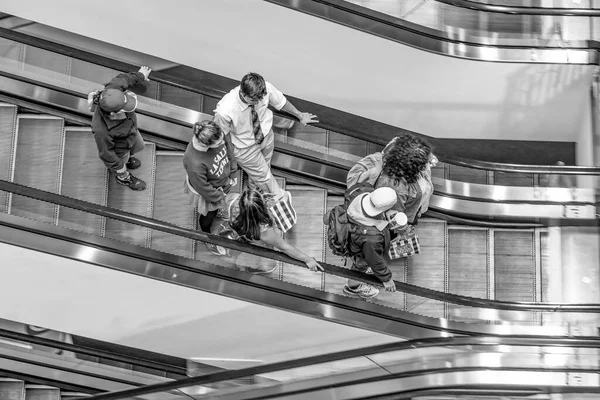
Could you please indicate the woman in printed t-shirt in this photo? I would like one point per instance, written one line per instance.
(211, 170)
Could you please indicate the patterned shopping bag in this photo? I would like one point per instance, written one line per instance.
(404, 246)
(283, 213)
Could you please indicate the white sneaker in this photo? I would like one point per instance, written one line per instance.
(363, 290)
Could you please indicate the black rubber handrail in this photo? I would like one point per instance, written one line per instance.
(194, 87)
(22, 337)
(344, 355)
(407, 288)
(522, 10)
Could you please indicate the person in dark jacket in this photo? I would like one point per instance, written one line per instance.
(211, 172)
(114, 124)
(369, 239)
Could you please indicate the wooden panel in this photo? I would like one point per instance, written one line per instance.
(514, 266)
(12, 389)
(463, 174)
(137, 202)
(84, 178)
(8, 121)
(41, 393)
(427, 269)
(467, 268)
(170, 205)
(544, 255)
(37, 164)
(510, 179)
(307, 235)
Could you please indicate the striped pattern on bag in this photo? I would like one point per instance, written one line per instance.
(284, 214)
(404, 247)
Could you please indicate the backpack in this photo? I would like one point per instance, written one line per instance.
(338, 224)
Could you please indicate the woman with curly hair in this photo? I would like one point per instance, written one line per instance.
(406, 168)
(255, 225)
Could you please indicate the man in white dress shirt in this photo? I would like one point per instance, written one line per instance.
(244, 116)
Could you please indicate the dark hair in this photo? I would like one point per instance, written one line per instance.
(406, 158)
(207, 132)
(253, 214)
(253, 85)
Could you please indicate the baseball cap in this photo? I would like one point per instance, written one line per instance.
(378, 201)
(113, 100)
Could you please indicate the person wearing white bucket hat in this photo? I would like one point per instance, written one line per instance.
(369, 239)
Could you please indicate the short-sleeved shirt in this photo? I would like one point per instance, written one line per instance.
(239, 115)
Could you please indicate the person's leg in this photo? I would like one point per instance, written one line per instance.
(267, 147)
(358, 288)
(252, 161)
(123, 176)
(206, 221)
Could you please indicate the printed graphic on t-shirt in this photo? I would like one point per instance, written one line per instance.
(219, 162)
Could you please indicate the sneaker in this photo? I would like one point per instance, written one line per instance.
(363, 290)
(132, 182)
(133, 163)
(216, 250)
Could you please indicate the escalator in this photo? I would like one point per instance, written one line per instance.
(502, 258)
(450, 369)
(505, 32)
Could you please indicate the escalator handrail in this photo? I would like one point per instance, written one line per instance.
(215, 93)
(345, 355)
(78, 349)
(407, 288)
(522, 10)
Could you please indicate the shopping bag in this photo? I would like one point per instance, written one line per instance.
(404, 246)
(283, 213)
(230, 207)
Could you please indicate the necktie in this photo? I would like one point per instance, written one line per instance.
(256, 130)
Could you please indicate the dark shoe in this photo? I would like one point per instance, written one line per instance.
(133, 163)
(133, 182)
(216, 250)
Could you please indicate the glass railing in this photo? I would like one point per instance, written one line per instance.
(411, 366)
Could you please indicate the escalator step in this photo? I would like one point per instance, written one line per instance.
(514, 266)
(123, 198)
(37, 164)
(12, 389)
(307, 235)
(170, 204)
(8, 123)
(428, 268)
(38, 392)
(84, 177)
(467, 268)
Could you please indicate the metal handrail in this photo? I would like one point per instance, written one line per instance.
(407, 288)
(215, 93)
(522, 10)
(344, 355)
(78, 349)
